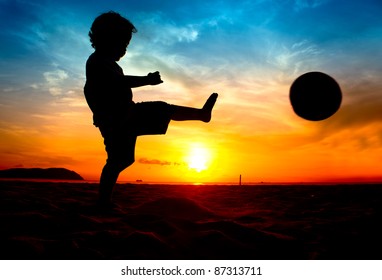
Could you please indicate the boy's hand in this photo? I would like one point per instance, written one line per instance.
(154, 78)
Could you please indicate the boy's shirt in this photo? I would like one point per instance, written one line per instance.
(106, 92)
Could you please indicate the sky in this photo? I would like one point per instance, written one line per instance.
(249, 52)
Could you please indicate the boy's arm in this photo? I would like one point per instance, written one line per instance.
(138, 81)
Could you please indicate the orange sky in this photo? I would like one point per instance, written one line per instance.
(249, 60)
(263, 141)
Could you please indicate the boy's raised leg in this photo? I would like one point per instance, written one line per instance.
(182, 113)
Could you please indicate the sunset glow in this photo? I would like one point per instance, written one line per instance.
(198, 158)
(249, 52)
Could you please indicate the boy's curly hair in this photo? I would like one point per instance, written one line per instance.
(108, 28)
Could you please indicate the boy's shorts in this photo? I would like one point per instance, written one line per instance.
(146, 118)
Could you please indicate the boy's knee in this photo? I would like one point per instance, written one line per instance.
(125, 164)
(120, 164)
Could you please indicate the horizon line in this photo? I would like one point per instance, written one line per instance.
(221, 183)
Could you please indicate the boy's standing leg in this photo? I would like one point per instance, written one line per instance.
(108, 179)
(120, 148)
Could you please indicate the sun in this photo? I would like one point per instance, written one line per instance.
(198, 158)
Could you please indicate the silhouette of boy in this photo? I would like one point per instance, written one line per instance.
(109, 96)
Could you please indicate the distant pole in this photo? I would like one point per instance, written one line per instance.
(240, 180)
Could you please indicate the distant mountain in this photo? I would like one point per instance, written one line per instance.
(40, 173)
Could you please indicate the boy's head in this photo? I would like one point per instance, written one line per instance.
(111, 33)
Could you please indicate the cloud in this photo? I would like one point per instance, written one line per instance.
(55, 80)
(156, 162)
(308, 4)
(161, 30)
(294, 57)
(364, 110)
(15, 17)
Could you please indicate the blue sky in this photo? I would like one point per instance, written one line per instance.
(248, 51)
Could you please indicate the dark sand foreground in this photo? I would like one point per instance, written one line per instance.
(59, 221)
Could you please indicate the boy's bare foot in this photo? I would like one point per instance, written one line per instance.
(208, 106)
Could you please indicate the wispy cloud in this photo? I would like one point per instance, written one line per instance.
(294, 57)
(308, 4)
(55, 80)
(157, 162)
(160, 30)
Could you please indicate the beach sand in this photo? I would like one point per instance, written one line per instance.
(45, 220)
